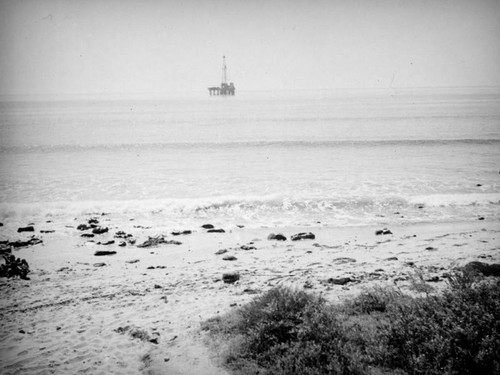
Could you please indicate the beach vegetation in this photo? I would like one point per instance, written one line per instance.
(380, 331)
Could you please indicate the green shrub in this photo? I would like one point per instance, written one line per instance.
(455, 333)
(381, 331)
(289, 332)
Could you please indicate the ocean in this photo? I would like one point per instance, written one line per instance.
(256, 159)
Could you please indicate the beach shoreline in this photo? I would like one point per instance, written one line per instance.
(139, 310)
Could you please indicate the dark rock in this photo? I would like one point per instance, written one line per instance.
(481, 218)
(430, 248)
(104, 252)
(178, 233)
(93, 221)
(384, 231)
(247, 247)
(47, 231)
(207, 226)
(159, 240)
(216, 231)
(133, 261)
(277, 237)
(478, 185)
(83, 227)
(339, 281)
(484, 268)
(88, 235)
(26, 229)
(392, 258)
(101, 264)
(122, 244)
(100, 230)
(110, 242)
(229, 257)
(1, 224)
(303, 236)
(221, 251)
(230, 278)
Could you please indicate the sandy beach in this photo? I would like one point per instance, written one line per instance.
(140, 311)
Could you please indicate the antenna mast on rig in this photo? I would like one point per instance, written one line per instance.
(224, 70)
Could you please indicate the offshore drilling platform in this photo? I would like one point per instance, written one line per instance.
(225, 88)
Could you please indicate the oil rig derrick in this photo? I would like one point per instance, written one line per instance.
(225, 88)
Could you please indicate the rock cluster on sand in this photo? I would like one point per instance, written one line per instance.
(14, 267)
(7, 246)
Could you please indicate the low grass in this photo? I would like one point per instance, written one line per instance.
(381, 331)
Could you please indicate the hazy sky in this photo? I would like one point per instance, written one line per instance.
(94, 47)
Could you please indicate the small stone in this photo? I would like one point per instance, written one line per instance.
(207, 226)
(247, 247)
(104, 252)
(83, 227)
(178, 233)
(88, 235)
(216, 231)
(229, 257)
(110, 242)
(230, 278)
(277, 237)
(100, 230)
(303, 236)
(480, 218)
(221, 251)
(99, 264)
(384, 231)
(26, 229)
(122, 244)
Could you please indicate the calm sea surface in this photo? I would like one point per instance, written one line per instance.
(256, 158)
